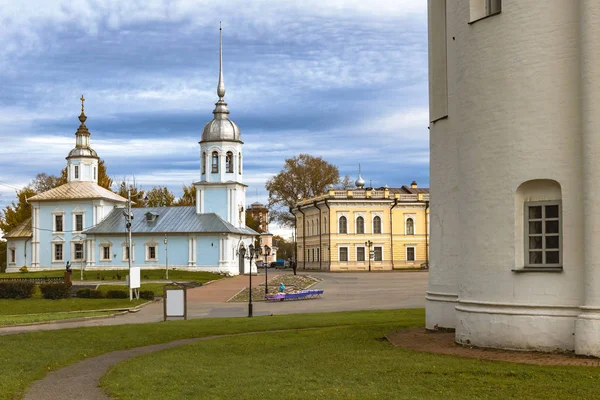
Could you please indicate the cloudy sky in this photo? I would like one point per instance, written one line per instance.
(341, 79)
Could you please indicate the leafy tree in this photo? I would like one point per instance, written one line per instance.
(302, 177)
(44, 182)
(2, 255)
(160, 197)
(103, 179)
(15, 213)
(188, 198)
(253, 223)
(285, 249)
(137, 193)
(345, 183)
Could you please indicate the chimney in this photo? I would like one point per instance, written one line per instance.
(413, 184)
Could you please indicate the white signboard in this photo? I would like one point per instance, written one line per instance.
(134, 278)
(175, 303)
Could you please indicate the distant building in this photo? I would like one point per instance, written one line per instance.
(333, 231)
(514, 91)
(259, 213)
(84, 224)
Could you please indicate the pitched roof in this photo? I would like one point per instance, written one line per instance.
(169, 220)
(23, 230)
(76, 191)
(409, 190)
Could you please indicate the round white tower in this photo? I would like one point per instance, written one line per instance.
(82, 161)
(220, 189)
(514, 95)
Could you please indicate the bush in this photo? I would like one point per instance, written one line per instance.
(96, 294)
(147, 295)
(83, 293)
(117, 294)
(54, 291)
(23, 269)
(16, 290)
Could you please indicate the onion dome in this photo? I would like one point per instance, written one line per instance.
(82, 139)
(360, 182)
(221, 128)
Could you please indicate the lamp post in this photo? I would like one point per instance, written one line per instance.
(267, 253)
(369, 244)
(128, 220)
(251, 253)
(166, 257)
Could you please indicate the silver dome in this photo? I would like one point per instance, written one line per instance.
(83, 152)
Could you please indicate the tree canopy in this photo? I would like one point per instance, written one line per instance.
(15, 213)
(253, 223)
(188, 198)
(285, 249)
(302, 177)
(160, 197)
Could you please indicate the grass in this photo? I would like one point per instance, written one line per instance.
(346, 359)
(157, 288)
(112, 275)
(42, 306)
(36, 318)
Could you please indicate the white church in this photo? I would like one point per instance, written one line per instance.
(515, 173)
(83, 223)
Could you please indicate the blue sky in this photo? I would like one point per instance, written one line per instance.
(341, 79)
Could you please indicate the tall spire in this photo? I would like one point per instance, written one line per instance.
(221, 86)
(360, 182)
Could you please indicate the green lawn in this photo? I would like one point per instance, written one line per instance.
(157, 288)
(346, 360)
(40, 306)
(6, 320)
(108, 275)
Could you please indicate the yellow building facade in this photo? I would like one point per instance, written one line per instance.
(363, 229)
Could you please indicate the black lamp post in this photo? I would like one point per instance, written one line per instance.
(267, 254)
(369, 244)
(242, 253)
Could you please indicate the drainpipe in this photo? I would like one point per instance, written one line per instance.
(320, 233)
(392, 232)
(426, 236)
(329, 234)
(303, 238)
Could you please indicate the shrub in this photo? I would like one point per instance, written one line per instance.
(117, 294)
(96, 294)
(54, 291)
(83, 293)
(23, 269)
(147, 295)
(16, 290)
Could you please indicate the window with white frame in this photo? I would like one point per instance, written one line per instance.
(360, 225)
(377, 224)
(126, 251)
(77, 251)
(204, 162)
(78, 222)
(343, 225)
(12, 256)
(58, 222)
(378, 253)
(410, 253)
(542, 234)
(484, 8)
(318, 254)
(229, 162)
(105, 250)
(410, 226)
(151, 251)
(343, 253)
(240, 163)
(317, 226)
(57, 252)
(360, 254)
(77, 172)
(325, 225)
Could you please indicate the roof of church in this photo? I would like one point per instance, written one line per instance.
(23, 230)
(169, 220)
(78, 190)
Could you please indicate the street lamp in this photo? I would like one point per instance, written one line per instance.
(251, 253)
(166, 257)
(267, 254)
(369, 244)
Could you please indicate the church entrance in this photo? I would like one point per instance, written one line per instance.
(241, 264)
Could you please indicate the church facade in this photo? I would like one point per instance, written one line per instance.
(84, 224)
(514, 99)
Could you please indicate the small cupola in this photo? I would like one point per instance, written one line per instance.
(413, 184)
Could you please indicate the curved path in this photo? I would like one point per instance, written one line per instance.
(81, 379)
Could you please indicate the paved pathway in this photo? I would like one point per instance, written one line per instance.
(80, 380)
(343, 292)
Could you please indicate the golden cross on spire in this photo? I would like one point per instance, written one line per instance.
(82, 100)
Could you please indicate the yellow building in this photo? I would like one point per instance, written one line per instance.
(340, 229)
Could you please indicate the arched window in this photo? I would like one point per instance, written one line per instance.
(215, 162)
(317, 226)
(410, 226)
(377, 224)
(204, 163)
(343, 225)
(360, 225)
(229, 162)
(325, 225)
(240, 163)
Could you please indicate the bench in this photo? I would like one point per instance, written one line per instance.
(299, 295)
